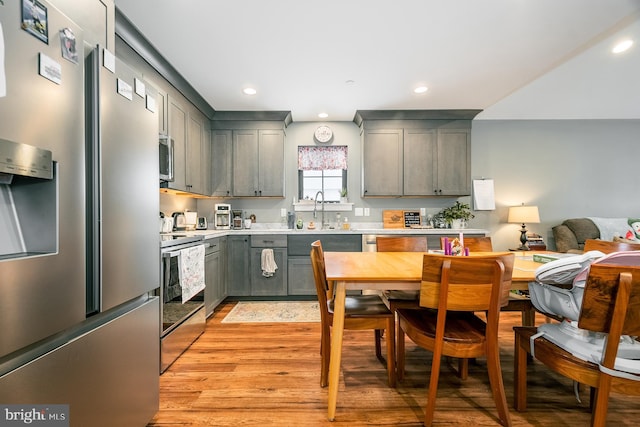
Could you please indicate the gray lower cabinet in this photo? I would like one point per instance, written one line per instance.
(301, 281)
(275, 285)
(214, 274)
(238, 279)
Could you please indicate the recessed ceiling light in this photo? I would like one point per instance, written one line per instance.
(249, 91)
(420, 89)
(622, 46)
(350, 82)
(323, 115)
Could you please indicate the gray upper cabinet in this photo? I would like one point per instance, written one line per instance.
(416, 153)
(161, 103)
(382, 162)
(245, 163)
(419, 158)
(271, 163)
(198, 153)
(453, 162)
(221, 155)
(258, 163)
(247, 157)
(177, 126)
(191, 144)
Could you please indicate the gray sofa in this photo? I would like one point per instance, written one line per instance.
(572, 233)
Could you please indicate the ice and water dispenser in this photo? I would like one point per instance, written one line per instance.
(28, 201)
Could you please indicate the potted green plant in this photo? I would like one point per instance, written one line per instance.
(458, 215)
(343, 196)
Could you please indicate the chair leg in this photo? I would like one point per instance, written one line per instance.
(400, 352)
(433, 388)
(325, 352)
(599, 414)
(378, 336)
(391, 352)
(520, 375)
(497, 385)
(463, 368)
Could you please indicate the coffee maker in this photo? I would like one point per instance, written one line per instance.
(237, 219)
(222, 216)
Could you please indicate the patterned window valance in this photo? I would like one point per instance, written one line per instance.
(312, 158)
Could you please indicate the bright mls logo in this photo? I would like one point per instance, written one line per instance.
(36, 415)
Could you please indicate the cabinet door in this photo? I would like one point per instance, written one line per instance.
(195, 146)
(271, 163)
(224, 268)
(212, 294)
(205, 160)
(275, 285)
(221, 148)
(238, 282)
(382, 162)
(178, 131)
(161, 103)
(454, 162)
(419, 162)
(301, 281)
(245, 163)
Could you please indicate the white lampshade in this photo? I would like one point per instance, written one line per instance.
(524, 215)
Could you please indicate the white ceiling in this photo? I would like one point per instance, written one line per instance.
(514, 59)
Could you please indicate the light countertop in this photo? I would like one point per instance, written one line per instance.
(262, 229)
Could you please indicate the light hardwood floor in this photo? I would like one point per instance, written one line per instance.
(269, 374)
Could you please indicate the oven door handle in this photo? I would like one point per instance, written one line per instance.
(177, 250)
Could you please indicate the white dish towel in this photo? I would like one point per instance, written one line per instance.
(268, 263)
(191, 271)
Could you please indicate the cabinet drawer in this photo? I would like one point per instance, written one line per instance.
(214, 245)
(301, 245)
(269, 241)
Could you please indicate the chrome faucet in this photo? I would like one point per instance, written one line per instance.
(315, 208)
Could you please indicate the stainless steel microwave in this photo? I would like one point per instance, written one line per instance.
(166, 158)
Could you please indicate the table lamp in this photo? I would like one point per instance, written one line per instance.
(521, 215)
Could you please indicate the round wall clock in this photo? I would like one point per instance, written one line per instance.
(323, 134)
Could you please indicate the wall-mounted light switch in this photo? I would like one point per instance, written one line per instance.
(367, 212)
(423, 211)
(283, 212)
(358, 211)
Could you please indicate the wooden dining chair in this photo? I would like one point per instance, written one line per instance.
(401, 243)
(475, 244)
(361, 312)
(397, 299)
(608, 247)
(453, 288)
(610, 304)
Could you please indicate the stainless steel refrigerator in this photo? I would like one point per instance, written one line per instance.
(79, 251)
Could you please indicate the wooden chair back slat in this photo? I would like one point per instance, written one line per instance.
(319, 274)
(475, 244)
(401, 244)
(608, 247)
(470, 281)
(598, 302)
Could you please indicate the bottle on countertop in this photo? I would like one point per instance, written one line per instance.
(345, 224)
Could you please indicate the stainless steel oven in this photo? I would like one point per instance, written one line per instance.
(181, 323)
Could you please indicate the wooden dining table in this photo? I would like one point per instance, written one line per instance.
(386, 271)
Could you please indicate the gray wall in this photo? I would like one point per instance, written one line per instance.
(568, 168)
